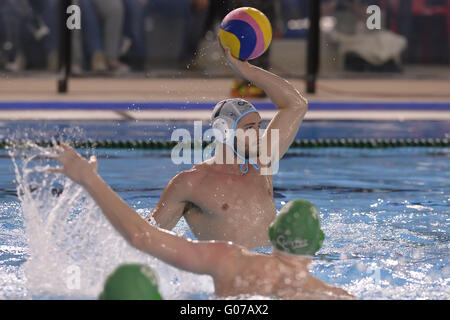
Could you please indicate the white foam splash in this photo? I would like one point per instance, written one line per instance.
(71, 246)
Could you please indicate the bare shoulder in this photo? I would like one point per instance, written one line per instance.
(199, 172)
(232, 260)
(187, 177)
(186, 181)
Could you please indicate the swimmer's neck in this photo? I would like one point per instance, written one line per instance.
(297, 262)
(231, 169)
(227, 154)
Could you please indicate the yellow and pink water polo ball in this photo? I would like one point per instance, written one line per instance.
(247, 32)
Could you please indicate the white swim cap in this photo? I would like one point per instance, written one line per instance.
(225, 117)
(226, 114)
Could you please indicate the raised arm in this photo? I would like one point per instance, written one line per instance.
(291, 104)
(192, 256)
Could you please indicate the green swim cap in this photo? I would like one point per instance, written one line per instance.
(131, 282)
(296, 230)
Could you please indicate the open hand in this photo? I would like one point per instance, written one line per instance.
(74, 166)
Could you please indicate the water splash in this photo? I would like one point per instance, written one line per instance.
(397, 249)
(71, 246)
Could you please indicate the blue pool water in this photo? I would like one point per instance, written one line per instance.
(385, 212)
(162, 130)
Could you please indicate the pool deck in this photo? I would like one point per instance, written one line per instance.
(34, 93)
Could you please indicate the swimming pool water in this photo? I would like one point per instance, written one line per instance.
(385, 214)
(162, 130)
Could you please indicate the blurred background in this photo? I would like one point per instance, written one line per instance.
(167, 50)
(161, 37)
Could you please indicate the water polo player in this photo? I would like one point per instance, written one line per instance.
(295, 235)
(234, 202)
(223, 201)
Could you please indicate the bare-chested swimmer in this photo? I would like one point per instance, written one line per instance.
(295, 235)
(219, 201)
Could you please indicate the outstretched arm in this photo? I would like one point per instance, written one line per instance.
(166, 213)
(84, 172)
(291, 104)
(188, 255)
(192, 256)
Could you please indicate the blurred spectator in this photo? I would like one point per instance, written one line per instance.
(363, 49)
(29, 32)
(293, 15)
(49, 10)
(19, 25)
(135, 14)
(348, 13)
(29, 35)
(425, 23)
(193, 13)
(102, 33)
(195, 28)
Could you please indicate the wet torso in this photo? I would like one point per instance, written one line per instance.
(230, 207)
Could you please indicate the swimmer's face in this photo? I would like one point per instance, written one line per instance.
(250, 125)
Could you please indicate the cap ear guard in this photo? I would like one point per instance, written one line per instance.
(225, 118)
(225, 126)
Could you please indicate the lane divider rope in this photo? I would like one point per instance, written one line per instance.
(302, 143)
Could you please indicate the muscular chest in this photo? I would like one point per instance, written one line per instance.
(228, 194)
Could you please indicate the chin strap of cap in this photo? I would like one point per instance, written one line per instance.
(244, 166)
